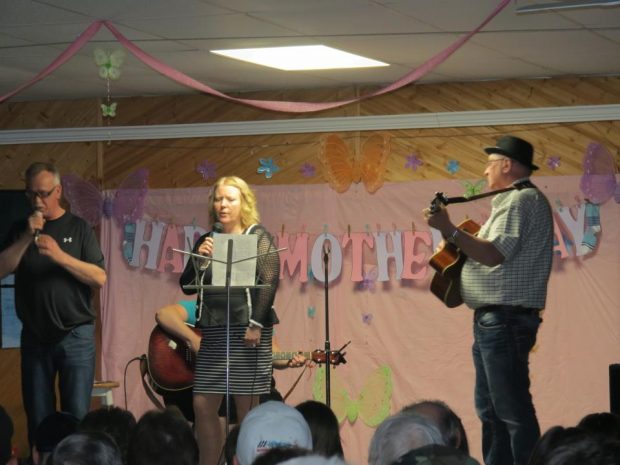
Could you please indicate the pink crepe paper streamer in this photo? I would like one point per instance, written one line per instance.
(274, 105)
(60, 60)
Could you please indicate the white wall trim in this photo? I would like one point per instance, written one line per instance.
(574, 114)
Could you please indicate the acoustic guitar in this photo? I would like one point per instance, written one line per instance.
(448, 260)
(170, 362)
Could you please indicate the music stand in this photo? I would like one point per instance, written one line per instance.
(229, 240)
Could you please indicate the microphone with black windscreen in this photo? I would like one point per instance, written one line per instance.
(217, 228)
(37, 231)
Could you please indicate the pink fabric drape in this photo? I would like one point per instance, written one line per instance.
(398, 324)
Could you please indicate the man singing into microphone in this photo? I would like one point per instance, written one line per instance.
(57, 262)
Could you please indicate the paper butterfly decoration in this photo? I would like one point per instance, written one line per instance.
(126, 205)
(268, 167)
(207, 169)
(472, 189)
(342, 167)
(453, 166)
(108, 110)
(598, 182)
(368, 282)
(373, 403)
(307, 170)
(109, 63)
(413, 162)
(554, 162)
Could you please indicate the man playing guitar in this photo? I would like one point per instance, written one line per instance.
(504, 279)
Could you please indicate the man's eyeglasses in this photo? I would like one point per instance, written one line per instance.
(41, 194)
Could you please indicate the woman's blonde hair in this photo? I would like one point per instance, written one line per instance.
(249, 210)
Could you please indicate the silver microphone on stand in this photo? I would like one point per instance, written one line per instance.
(217, 228)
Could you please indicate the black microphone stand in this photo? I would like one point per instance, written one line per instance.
(327, 343)
(229, 261)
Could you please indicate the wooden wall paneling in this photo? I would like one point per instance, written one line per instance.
(77, 157)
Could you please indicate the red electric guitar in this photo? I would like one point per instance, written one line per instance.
(171, 362)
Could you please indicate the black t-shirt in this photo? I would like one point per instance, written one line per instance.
(50, 301)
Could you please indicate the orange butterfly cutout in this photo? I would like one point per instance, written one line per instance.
(342, 167)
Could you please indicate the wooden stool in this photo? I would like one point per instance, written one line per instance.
(103, 389)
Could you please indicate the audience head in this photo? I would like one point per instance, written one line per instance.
(269, 425)
(323, 426)
(50, 432)
(606, 424)
(399, 434)
(280, 454)
(115, 421)
(92, 448)
(444, 418)
(6, 434)
(434, 454)
(574, 446)
(162, 437)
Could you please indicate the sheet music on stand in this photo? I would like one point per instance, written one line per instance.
(243, 272)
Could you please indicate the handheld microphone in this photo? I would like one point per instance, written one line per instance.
(37, 231)
(217, 228)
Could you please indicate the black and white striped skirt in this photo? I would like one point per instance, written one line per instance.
(250, 368)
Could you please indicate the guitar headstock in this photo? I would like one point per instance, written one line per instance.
(439, 200)
(335, 358)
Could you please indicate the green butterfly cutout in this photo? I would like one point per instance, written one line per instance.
(472, 189)
(373, 403)
(109, 63)
(108, 110)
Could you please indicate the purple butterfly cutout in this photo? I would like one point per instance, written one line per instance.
(598, 182)
(413, 162)
(368, 283)
(553, 162)
(367, 318)
(125, 205)
(307, 170)
(207, 169)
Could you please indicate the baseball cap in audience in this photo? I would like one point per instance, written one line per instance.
(271, 424)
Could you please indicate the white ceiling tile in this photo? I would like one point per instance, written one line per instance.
(404, 33)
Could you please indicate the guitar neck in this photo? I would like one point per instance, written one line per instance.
(290, 355)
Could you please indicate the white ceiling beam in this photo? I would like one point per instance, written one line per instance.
(574, 114)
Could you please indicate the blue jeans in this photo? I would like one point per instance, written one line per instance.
(503, 338)
(72, 359)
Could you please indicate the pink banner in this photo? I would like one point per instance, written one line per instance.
(404, 342)
(281, 106)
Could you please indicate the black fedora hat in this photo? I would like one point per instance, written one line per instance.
(515, 148)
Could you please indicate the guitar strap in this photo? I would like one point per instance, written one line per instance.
(147, 387)
(518, 186)
(292, 388)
